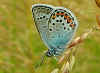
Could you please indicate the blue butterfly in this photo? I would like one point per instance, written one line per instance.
(56, 26)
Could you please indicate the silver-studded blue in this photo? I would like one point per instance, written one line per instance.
(56, 26)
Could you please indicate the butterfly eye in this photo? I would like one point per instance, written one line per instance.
(49, 54)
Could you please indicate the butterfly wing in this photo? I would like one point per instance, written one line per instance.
(62, 26)
(41, 15)
(56, 25)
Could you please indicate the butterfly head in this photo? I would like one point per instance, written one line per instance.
(49, 54)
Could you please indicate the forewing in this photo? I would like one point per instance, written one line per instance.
(41, 15)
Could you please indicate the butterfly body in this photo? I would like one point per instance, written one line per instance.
(56, 26)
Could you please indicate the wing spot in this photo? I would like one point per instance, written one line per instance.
(40, 17)
(53, 24)
(57, 15)
(69, 20)
(68, 29)
(57, 12)
(62, 23)
(66, 15)
(57, 20)
(62, 12)
(37, 18)
(50, 29)
(64, 28)
(60, 20)
(53, 17)
(72, 26)
(61, 15)
(43, 16)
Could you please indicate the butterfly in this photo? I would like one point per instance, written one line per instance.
(56, 26)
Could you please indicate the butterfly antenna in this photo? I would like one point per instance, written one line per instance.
(41, 62)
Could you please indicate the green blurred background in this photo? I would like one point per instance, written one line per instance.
(21, 46)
